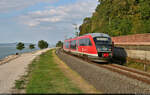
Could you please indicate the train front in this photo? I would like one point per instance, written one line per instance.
(104, 48)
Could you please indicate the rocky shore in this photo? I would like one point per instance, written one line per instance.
(8, 58)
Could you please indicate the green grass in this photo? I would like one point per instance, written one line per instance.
(137, 65)
(46, 77)
(19, 84)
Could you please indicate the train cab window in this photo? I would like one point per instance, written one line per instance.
(85, 42)
(102, 40)
(73, 44)
(103, 43)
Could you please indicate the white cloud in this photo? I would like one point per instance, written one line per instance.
(11, 5)
(72, 13)
(54, 19)
(51, 23)
(32, 24)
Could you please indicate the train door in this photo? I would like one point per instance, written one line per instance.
(77, 45)
(82, 46)
(88, 46)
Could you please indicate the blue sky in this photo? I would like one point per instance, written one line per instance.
(34, 20)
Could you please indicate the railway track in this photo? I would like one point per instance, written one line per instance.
(128, 72)
(141, 76)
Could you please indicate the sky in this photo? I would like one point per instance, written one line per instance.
(29, 21)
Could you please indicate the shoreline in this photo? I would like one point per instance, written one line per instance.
(7, 51)
(10, 57)
(12, 70)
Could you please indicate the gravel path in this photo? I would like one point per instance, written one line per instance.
(12, 70)
(102, 79)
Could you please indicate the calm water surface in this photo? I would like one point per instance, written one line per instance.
(9, 50)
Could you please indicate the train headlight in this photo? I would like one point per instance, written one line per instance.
(105, 55)
(104, 48)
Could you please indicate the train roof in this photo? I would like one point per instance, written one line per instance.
(98, 34)
(93, 35)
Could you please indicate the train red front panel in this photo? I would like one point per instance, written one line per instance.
(88, 49)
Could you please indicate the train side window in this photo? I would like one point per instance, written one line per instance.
(77, 43)
(67, 44)
(81, 42)
(73, 44)
(85, 42)
(89, 42)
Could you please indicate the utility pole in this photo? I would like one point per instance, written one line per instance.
(76, 29)
(65, 37)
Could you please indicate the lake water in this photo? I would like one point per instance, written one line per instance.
(9, 50)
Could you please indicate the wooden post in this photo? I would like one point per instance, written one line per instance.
(145, 63)
(145, 67)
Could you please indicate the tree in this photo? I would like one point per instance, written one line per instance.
(42, 44)
(20, 46)
(31, 46)
(118, 17)
(59, 44)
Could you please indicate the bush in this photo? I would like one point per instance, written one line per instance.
(42, 44)
(31, 46)
(20, 46)
(59, 44)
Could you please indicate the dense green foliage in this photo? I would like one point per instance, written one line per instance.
(42, 44)
(59, 44)
(119, 17)
(31, 46)
(20, 46)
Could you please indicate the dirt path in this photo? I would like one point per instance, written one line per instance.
(12, 70)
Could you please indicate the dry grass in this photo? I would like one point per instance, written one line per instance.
(76, 79)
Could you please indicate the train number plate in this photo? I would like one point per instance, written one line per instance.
(104, 48)
(102, 39)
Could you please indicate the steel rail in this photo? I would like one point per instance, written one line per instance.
(119, 69)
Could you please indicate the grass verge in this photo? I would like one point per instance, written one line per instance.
(75, 77)
(133, 63)
(45, 77)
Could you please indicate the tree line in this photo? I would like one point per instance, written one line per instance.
(41, 44)
(118, 17)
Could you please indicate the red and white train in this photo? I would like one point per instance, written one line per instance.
(96, 46)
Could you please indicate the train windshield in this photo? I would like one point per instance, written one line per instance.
(103, 43)
(102, 40)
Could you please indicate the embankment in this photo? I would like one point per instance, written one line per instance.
(8, 58)
(14, 69)
(132, 46)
